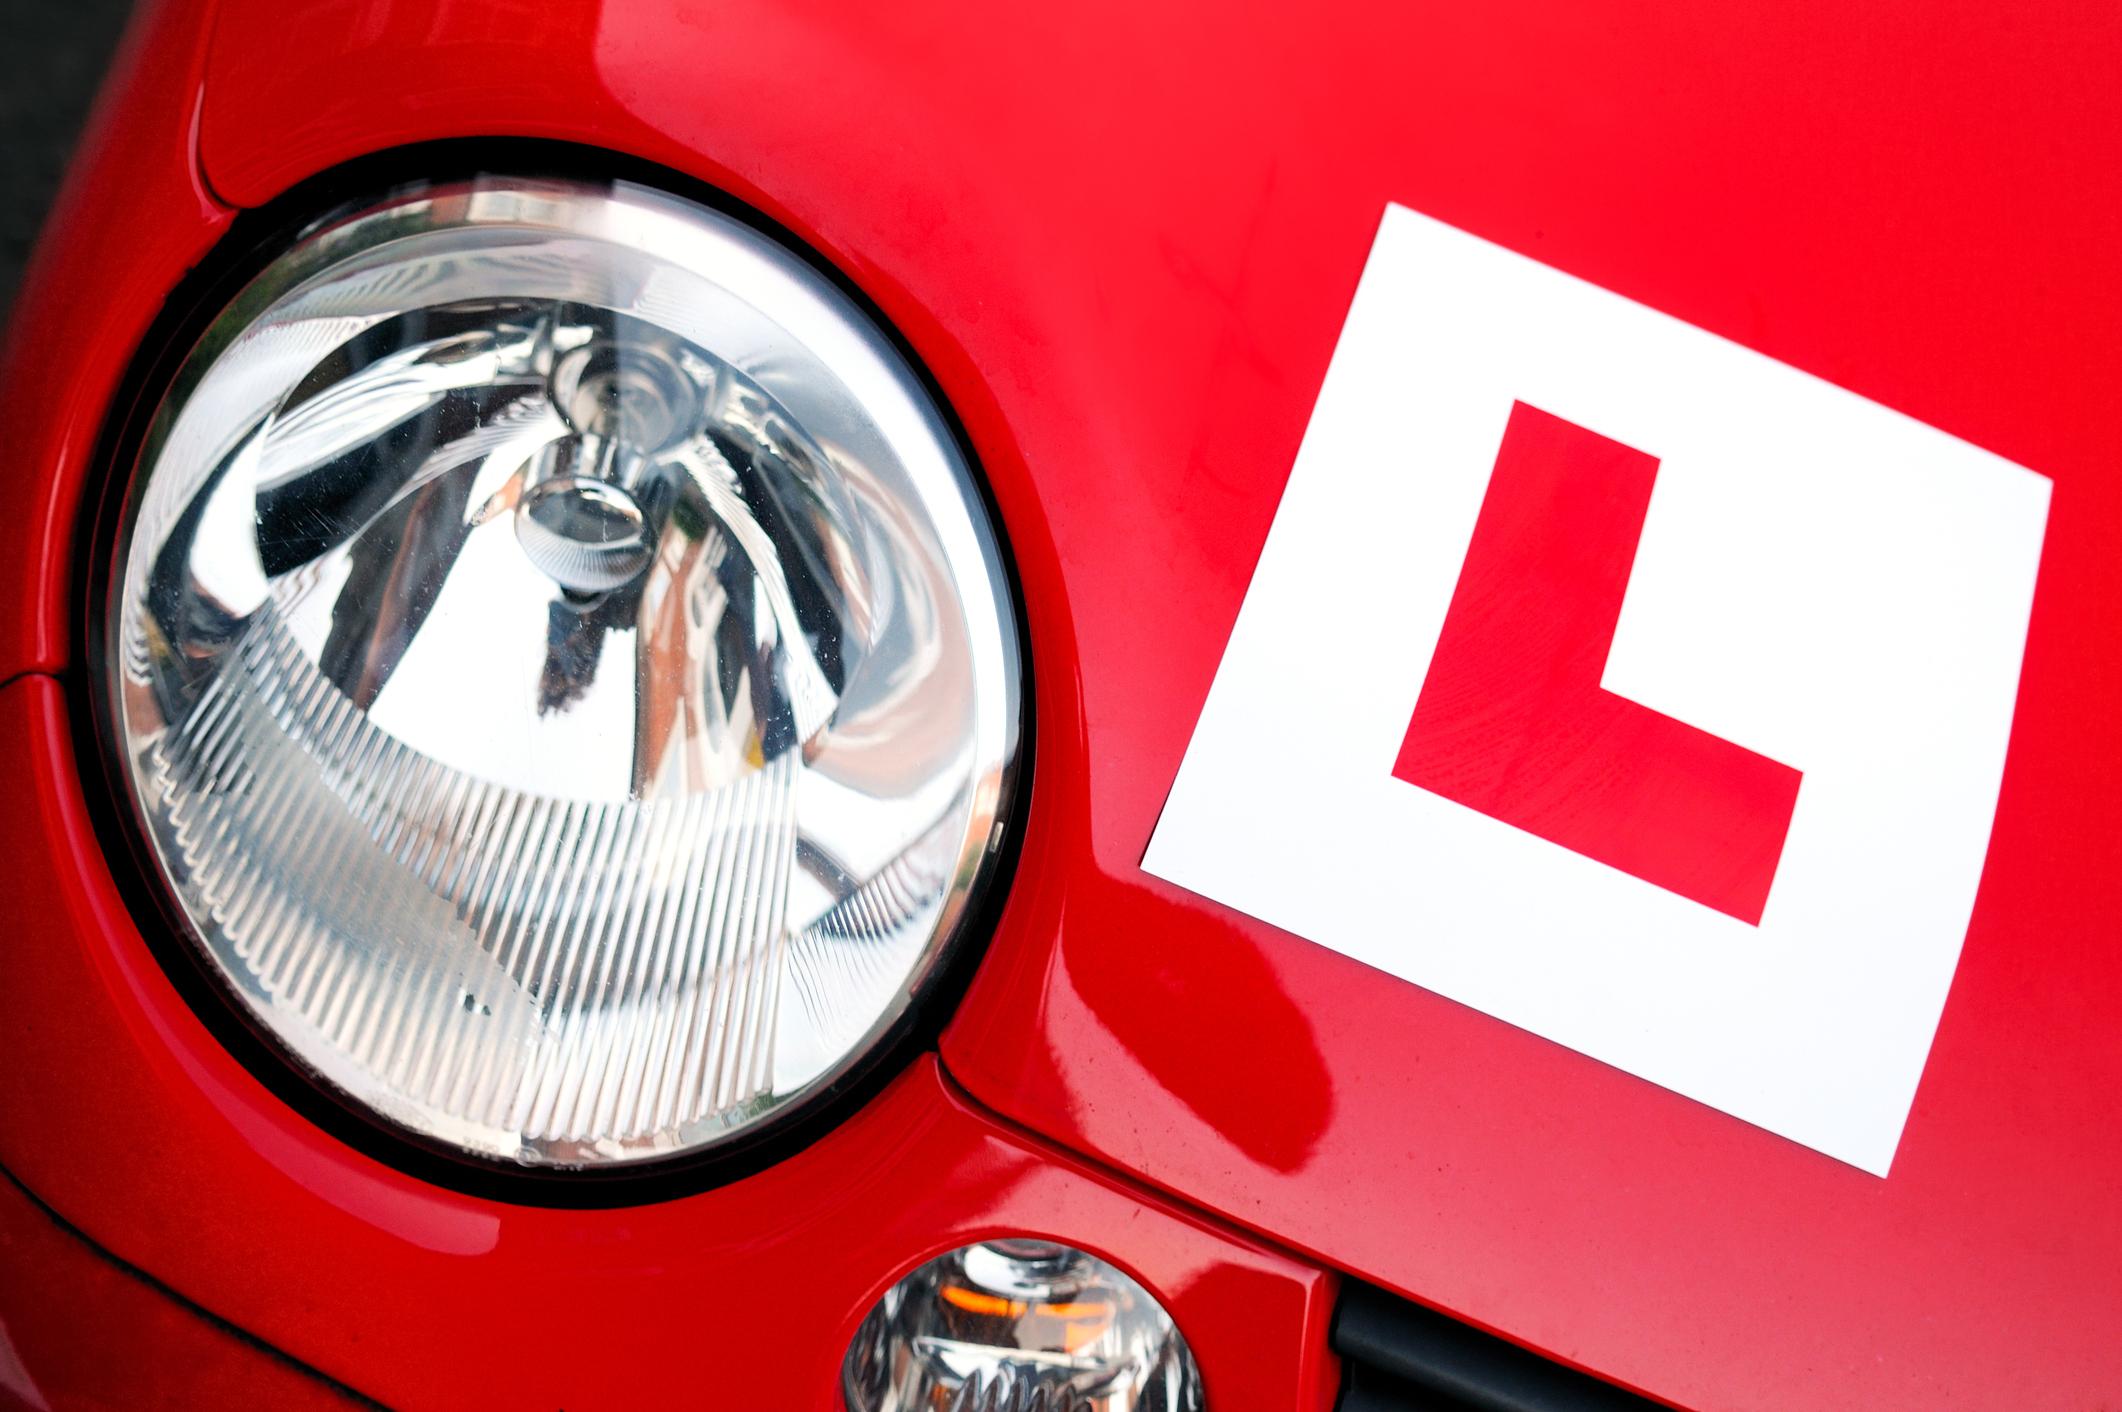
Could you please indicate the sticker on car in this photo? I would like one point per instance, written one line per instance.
(1625, 684)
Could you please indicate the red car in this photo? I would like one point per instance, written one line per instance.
(1106, 709)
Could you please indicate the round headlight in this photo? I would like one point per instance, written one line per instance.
(562, 668)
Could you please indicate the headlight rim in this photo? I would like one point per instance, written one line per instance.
(255, 242)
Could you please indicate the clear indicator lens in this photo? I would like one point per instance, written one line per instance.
(562, 668)
(1019, 1326)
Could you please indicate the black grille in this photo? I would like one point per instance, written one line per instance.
(1399, 1357)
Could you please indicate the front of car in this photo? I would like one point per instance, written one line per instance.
(794, 707)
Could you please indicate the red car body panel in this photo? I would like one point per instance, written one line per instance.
(1123, 239)
(132, 217)
(164, 1150)
(64, 1306)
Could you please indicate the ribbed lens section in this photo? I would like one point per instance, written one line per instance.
(563, 970)
(562, 668)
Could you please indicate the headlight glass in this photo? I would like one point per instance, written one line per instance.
(1019, 1324)
(562, 667)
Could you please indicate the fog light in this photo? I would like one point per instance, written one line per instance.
(1019, 1326)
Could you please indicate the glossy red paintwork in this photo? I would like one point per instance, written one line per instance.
(120, 1110)
(1123, 237)
(77, 1330)
(133, 216)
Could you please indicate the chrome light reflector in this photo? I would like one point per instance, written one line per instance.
(1019, 1326)
(562, 667)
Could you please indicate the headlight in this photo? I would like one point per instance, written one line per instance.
(562, 668)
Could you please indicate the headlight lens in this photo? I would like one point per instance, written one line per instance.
(562, 668)
(1010, 1324)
